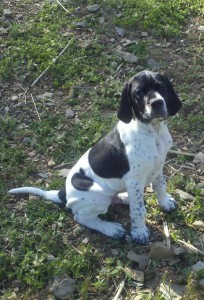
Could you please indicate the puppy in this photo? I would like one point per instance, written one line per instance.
(128, 158)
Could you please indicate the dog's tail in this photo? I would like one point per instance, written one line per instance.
(54, 195)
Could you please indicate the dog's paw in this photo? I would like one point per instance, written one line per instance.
(168, 204)
(140, 235)
(114, 230)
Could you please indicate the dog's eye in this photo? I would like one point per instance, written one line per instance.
(139, 93)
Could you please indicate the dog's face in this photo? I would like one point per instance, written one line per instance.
(148, 96)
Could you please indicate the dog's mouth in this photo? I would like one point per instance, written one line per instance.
(151, 114)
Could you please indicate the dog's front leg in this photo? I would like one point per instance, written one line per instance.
(139, 231)
(165, 201)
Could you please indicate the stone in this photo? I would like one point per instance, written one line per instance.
(199, 158)
(201, 283)
(201, 28)
(198, 266)
(93, 8)
(184, 195)
(26, 141)
(126, 56)
(63, 287)
(42, 175)
(172, 291)
(69, 113)
(64, 172)
(14, 98)
(114, 252)
(174, 261)
(7, 12)
(101, 20)
(134, 274)
(198, 225)
(44, 96)
(200, 184)
(86, 240)
(159, 251)
(144, 34)
(78, 230)
(51, 163)
(141, 259)
(153, 64)
(80, 24)
(120, 31)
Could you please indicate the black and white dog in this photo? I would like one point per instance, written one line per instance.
(128, 158)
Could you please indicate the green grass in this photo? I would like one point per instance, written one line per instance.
(37, 239)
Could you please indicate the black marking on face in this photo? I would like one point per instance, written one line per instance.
(144, 90)
(80, 181)
(108, 158)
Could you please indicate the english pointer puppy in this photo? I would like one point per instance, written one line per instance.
(128, 158)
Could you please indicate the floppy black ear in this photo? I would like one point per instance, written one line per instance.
(173, 102)
(125, 109)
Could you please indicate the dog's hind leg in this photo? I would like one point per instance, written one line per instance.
(86, 214)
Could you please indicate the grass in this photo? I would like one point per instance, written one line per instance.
(38, 238)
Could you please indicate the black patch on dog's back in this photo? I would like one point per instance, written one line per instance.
(80, 181)
(107, 158)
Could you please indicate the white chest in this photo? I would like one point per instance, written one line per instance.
(146, 148)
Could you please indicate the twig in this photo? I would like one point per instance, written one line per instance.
(191, 247)
(201, 242)
(53, 61)
(119, 291)
(35, 106)
(167, 234)
(181, 153)
(64, 8)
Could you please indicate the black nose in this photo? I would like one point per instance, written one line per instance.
(157, 104)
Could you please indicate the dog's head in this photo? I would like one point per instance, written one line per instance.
(148, 96)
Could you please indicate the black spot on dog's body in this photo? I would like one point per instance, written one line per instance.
(108, 158)
(80, 181)
(62, 196)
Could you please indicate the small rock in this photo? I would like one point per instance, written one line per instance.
(44, 96)
(14, 98)
(101, 20)
(184, 195)
(198, 225)
(154, 65)
(43, 175)
(127, 57)
(78, 230)
(64, 172)
(50, 257)
(141, 259)
(7, 12)
(26, 141)
(159, 251)
(32, 154)
(172, 291)
(144, 34)
(199, 158)
(6, 109)
(135, 275)
(80, 24)
(201, 28)
(51, 163)
(112, 40)
(93, 8)
(63, 287)
(198, 266)
(3, 30)
(200, 184)
(120, 31)
(86, 240)
(69, 113)
(59, 93)
(115, 252)
(174, 261)
(201, 283)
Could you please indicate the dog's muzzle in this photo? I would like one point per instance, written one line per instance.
(158, 107)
